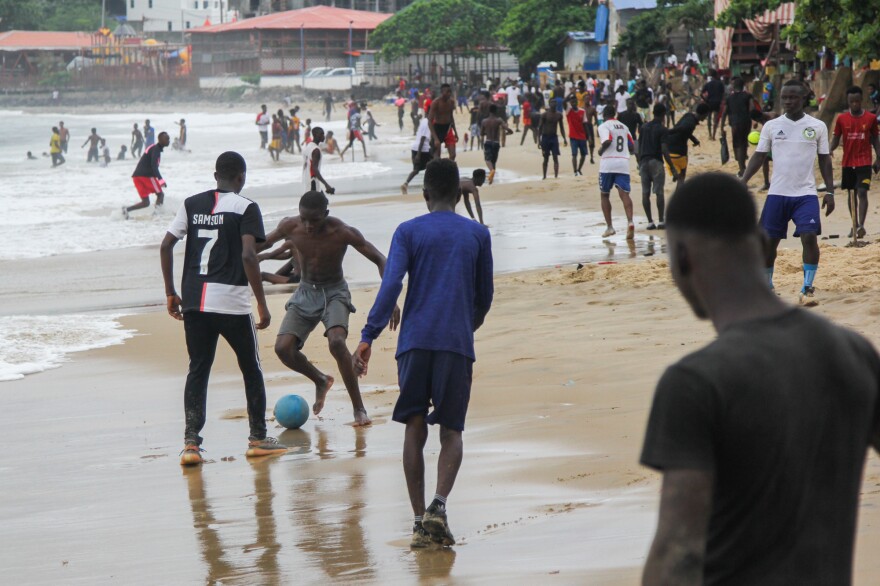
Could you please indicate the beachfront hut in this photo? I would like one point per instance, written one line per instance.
(284, 42)
(581, 51)
(22, 53)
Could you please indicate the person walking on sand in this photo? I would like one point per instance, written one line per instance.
(94, 141)
(312, 159)
(441, 116)
(55, 148)
(222, 230)
(64, 133)
(490, 132)
(137, 142)
(449, 262)
(796, 140)
(320, 243)
(577, 135)
(651, 170)
(146, 177)
(760, 436)
(550, 119)
(263, 122)
(471, 186)
(421, 153)
(354, 133)
(328, 105)
(614, 153)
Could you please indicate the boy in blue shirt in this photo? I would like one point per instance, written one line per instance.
(449, 262)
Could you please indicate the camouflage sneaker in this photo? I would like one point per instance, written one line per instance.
(265, 447)
(420, 538)
(434, 523)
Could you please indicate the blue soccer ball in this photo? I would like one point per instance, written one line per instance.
(291, 411)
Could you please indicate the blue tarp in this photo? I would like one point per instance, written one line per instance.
(601, 23)
(603, 57)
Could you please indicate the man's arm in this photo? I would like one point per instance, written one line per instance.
(154, 163)
(371, 253)
(875, 142)
(283, 252)
(562, 131)
(828, 177)
(485, 286)
(676, 555)
(166, 254)
(316, 159)
(755, 163)
(276, 235)
(835, 142)
(252, 271)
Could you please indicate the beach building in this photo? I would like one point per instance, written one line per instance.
(612, 17)
(23, 52)
(581, 51)
(153, 17)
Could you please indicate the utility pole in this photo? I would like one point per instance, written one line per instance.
(103, 11)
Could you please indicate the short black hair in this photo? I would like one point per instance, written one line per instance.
(797, 83)
(659, 110)
(229, 165)
(854, 90)
(314, 200)
(739, 83)
(165, 133)
(702, 109)
(714, 204)
(609, 112)
(441, 179)
(493, 108)
(479, 174)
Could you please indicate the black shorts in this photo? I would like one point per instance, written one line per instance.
(740, 134)
(856, 178)
(420, 160)
(490, 151)
(442, 130)
(434, 378)
(550, 144)
(714, 106)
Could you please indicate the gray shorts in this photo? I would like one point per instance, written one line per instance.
(310, 304)
(653, 174)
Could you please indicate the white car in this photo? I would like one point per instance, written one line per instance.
(317, 71)
(340, 71)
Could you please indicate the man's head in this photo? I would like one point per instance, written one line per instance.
(631, 105)
(609, 112)
(55, 129)
(479, 177)
(329, 134)
(313, 210)
(263, 108)
(493, 110)
(317, 134)
(441, 183)
(712, 235)
(702, 112)
(445, 90)
(135, 125)
(147, 123)
(659, 111)
(230, 171)
(854, 99)
(738, 84)
(793, 96)
(164, 139)
(182, 121)
(61, 124)
(94, 131)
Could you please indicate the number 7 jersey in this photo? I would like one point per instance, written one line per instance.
(615, 159)
(213, 223)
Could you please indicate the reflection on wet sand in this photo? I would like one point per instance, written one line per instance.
(429, 564)
(220, 569)
(326, 511)
(645, 247)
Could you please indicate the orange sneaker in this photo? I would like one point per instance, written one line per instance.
(191, 455)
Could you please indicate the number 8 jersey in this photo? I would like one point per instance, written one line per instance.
(615, 159)
(213, 272)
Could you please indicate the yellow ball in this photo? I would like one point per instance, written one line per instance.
(754, 137)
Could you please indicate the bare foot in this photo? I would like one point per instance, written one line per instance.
(361, 418)
(321, 391)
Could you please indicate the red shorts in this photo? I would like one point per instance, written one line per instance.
(356, 135)
(146, 186)
(450, 139)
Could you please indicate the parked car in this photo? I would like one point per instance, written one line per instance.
(317, 71)
(340, 71)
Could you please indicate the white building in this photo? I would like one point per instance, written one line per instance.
(168, 16)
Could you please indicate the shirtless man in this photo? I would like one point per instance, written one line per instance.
(468, 187)
(331, 147)
(490, 130)
(592, 117)
(441, 119)
(288, 273)
(319, 244)
(550, 120)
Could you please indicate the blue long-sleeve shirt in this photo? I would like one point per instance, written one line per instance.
(449, 261)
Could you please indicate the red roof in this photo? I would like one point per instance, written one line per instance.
(314, 17)
(44, 41)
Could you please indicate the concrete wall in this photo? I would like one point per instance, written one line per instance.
(337, 83)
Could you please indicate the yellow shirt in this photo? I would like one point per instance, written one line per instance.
(55, 143)
(581, 97)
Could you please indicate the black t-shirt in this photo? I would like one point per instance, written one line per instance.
(714, 91)
(738, 104)
(148, 164)
(632, 120)
(781, 410)
(642, 98)
(651, 141)
(213, 272)
(677, 137)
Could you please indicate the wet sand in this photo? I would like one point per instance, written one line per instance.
(550, 490)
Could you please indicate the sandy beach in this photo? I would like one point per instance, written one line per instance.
(550, 491)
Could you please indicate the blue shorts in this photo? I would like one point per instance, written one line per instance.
(779, 210)
(578, 145)
(609, 180)
(513, 110)
(550, 144)
(434, 378)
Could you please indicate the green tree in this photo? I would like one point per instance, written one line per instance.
(455, 26)
(847, 27)
(647, 32)
(20, 15)
(533, 28)
(53, 15)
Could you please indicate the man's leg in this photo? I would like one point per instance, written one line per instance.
(544, 165)
(555, 165)
(239, 333)
(449, 461)
(581, 164)
(414, 462)
(863, 210)
(287, 350)
(144, 203)
(770, 259)
(336, 339)
(645, 176)
(605, 198)
(364, 146)
(201, 345)
(659, 181)
(450, 148)
(628, 210)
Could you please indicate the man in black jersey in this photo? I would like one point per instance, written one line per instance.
(146, 177)
(738, 108)
(223, 229)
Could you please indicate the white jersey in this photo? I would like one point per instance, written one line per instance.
(615, 159)
(424, 131)
(308, 173)
(621, 101)
(795, 145)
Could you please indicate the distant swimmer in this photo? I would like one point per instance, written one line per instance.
(421, 153)
(149, 134)
(146, 177)
(319, 243)
(288, 273)
(796, 139)
(551, 119)
(441, 116)
(312, 158)
(222, 230)
(448, 260)
(615, 151)
(471, 186)
(94, 141)
(490, 131)
(54, 148)
(31, 157)
(137, 142)
(120, 156)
